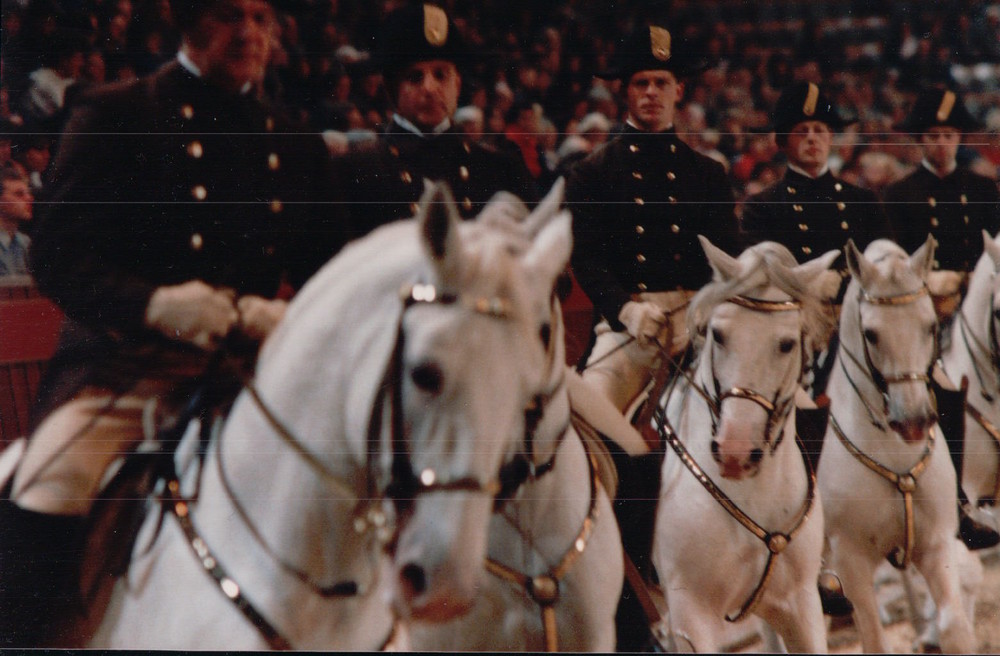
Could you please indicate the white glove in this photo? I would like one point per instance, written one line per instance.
(944, 283)
(192, 312)
(259, 316)
(826, 285)
(643, 320)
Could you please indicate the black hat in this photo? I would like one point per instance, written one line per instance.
(938, 108)
(803, 101)
(651, 48)
(187, 12)
(416, 33)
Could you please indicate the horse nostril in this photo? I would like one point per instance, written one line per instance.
(756, 455)
(414, 578)
(715, 450)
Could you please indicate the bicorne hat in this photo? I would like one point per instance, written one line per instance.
(418, 32)
(804, 101)
(938, 108)
(651, 48)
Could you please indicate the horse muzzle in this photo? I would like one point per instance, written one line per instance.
(737, 456)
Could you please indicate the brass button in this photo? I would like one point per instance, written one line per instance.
(838, 187)
(803, 227)
(269, 124)
(934, 221)
(932, 201)
(843, 225)
(637, 175)
(634, 148)
(674, 228)
(273, 162)
(466, 146)
(199, 192)
(463, 172)
(963, 199)
(966, 219)
(807, 250)
(276, 206)
(406, 177)
(394, 151)
(639, 229)
(187, 111)
(672, 199)
(791, 190)
(671, 176)
(797, 208)
(673, 148)
(414, 207)
(841, 206)
(466, 203)
(197, 241)
(195, 150)
(641, 258)
(642, 286)
(639, 201)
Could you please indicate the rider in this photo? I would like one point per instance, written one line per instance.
(179, 209)
(639, 203)
(423, 56)
(947, 200)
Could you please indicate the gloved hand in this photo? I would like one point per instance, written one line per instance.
(944, 283)
(259, 316)
(643, 320)
(192, 312)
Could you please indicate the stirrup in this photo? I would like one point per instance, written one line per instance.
(831, 595)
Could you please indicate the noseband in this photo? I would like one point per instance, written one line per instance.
(777, 410)
(882, 381)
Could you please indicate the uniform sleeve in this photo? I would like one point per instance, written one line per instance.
(72, 254)
(722, 228)
(591, 248)
(876, 222)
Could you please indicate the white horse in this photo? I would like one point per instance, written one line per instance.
(974, 354)
(354, 479)
(887, 483)
(739, 530)
(554, 552)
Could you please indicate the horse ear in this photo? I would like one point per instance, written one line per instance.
(438, 219)
(991, 248)
(504, 210)
(549, 253)
(809, 271)
(922, 260)
(861, 269)
(725, 266)
(546, 209)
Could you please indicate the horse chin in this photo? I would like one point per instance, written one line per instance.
(434, 611)
(735, 471)
(913, 434)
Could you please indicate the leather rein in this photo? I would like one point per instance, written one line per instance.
(776, 542)
(401, 488)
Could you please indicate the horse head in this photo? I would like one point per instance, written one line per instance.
(470, 375)
(756, 321)
(888, 329)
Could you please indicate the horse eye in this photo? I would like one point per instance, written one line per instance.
(428, 377)
(718, 337)
(546, 334)
(871, 336)
(786, 345)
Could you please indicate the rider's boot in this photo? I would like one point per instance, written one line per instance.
(951, 419)
(40, 556)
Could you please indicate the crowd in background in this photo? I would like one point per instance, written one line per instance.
(531, 87)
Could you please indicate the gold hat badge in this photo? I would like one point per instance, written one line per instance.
(435, 25)
(812, 97)
(659, 41)
(947, 104)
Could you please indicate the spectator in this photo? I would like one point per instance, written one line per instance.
(148, 274)
(15, 211)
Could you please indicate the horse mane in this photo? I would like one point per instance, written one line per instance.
(764, 265)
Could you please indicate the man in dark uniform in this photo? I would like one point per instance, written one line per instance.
(955, 205)
(639, 203)
(420, 52)
(175, 216)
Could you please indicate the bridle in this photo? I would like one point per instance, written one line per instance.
(777, 408)
(401, 487)
(880, 380)
(775, 541)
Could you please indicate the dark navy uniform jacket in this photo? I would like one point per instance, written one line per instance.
(639, 203)
(165, 180)
(812, 216)
(955, 209)
(383, 183)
